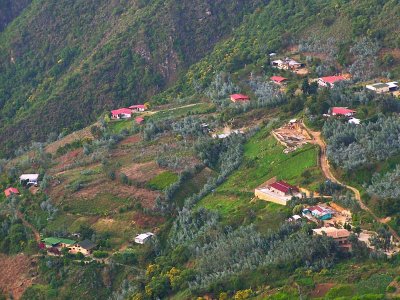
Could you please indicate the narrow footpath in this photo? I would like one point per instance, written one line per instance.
(326, 169)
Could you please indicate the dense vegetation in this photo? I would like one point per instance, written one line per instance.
(62, 69)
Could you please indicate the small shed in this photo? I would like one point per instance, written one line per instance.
(342, 111)
(11, 191)
(139, 120)
(278, 79)
(239, 98)
(29, 179)
(143, 238)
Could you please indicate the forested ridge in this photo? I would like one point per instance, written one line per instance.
(70, 63)
(10, 9)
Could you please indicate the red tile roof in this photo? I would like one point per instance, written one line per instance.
(121, 111)
(333, 79)
(139, 120)
(8, 192)
(342, 111)
(239, 97)
(284, 187)
(278, 79)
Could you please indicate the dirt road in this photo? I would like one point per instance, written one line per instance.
(326, 169)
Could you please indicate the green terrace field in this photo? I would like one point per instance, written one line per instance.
(193, 109)
(263, 159)
(162, 180)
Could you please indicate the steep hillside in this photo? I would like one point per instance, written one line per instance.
(68, 63)
(9, 9)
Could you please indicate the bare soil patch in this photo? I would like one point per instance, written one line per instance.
(68, 158)
(131, 140)
(17, 274)
(77, 135)
(145, 197)
(321, 289)
(144, 221)
(142, 172)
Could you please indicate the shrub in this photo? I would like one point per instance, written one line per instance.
(100, 254)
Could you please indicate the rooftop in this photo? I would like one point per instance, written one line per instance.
(283, 187)
(333, 79)
(121, 111)
(332, 232)
(86, 244)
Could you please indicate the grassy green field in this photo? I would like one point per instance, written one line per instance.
(263, 159)
(195, 109)
(116, 126)
(162, 181)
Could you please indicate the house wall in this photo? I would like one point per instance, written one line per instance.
(77, 249)
(260, 195)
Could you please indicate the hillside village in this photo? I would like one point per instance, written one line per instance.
(273, 180)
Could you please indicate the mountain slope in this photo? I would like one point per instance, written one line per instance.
(10, 9)
(70, 62)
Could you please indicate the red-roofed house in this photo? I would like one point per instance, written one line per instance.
(11, 191)
(122, 113)
(330, 81)
(282, 188)
(342, 111)
(278, 79)
(138, 108)
(139, 120)
(239, 98)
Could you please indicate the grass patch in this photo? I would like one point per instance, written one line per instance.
(376, 284)
(200, 108)
(162, 180)
(116, 126)
(102, 204)
(263, 159)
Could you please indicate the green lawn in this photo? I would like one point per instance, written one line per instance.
(116, 126)
(195, 109)
(263, 159)
(162, 180)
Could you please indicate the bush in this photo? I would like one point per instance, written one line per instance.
(100, 254)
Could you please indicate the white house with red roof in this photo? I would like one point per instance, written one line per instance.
(278, 79)
(342, 111)
(330, 81)
(279, 192)
(283, 188)
(121, 113)
(138, 108)
(240, 98)
(11, 191)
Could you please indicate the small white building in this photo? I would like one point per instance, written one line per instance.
(381, 88)
(143, 238)
(29, 179)
(355, 121)
(286, 64)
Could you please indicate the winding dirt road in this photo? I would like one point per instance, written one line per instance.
(326, 169)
